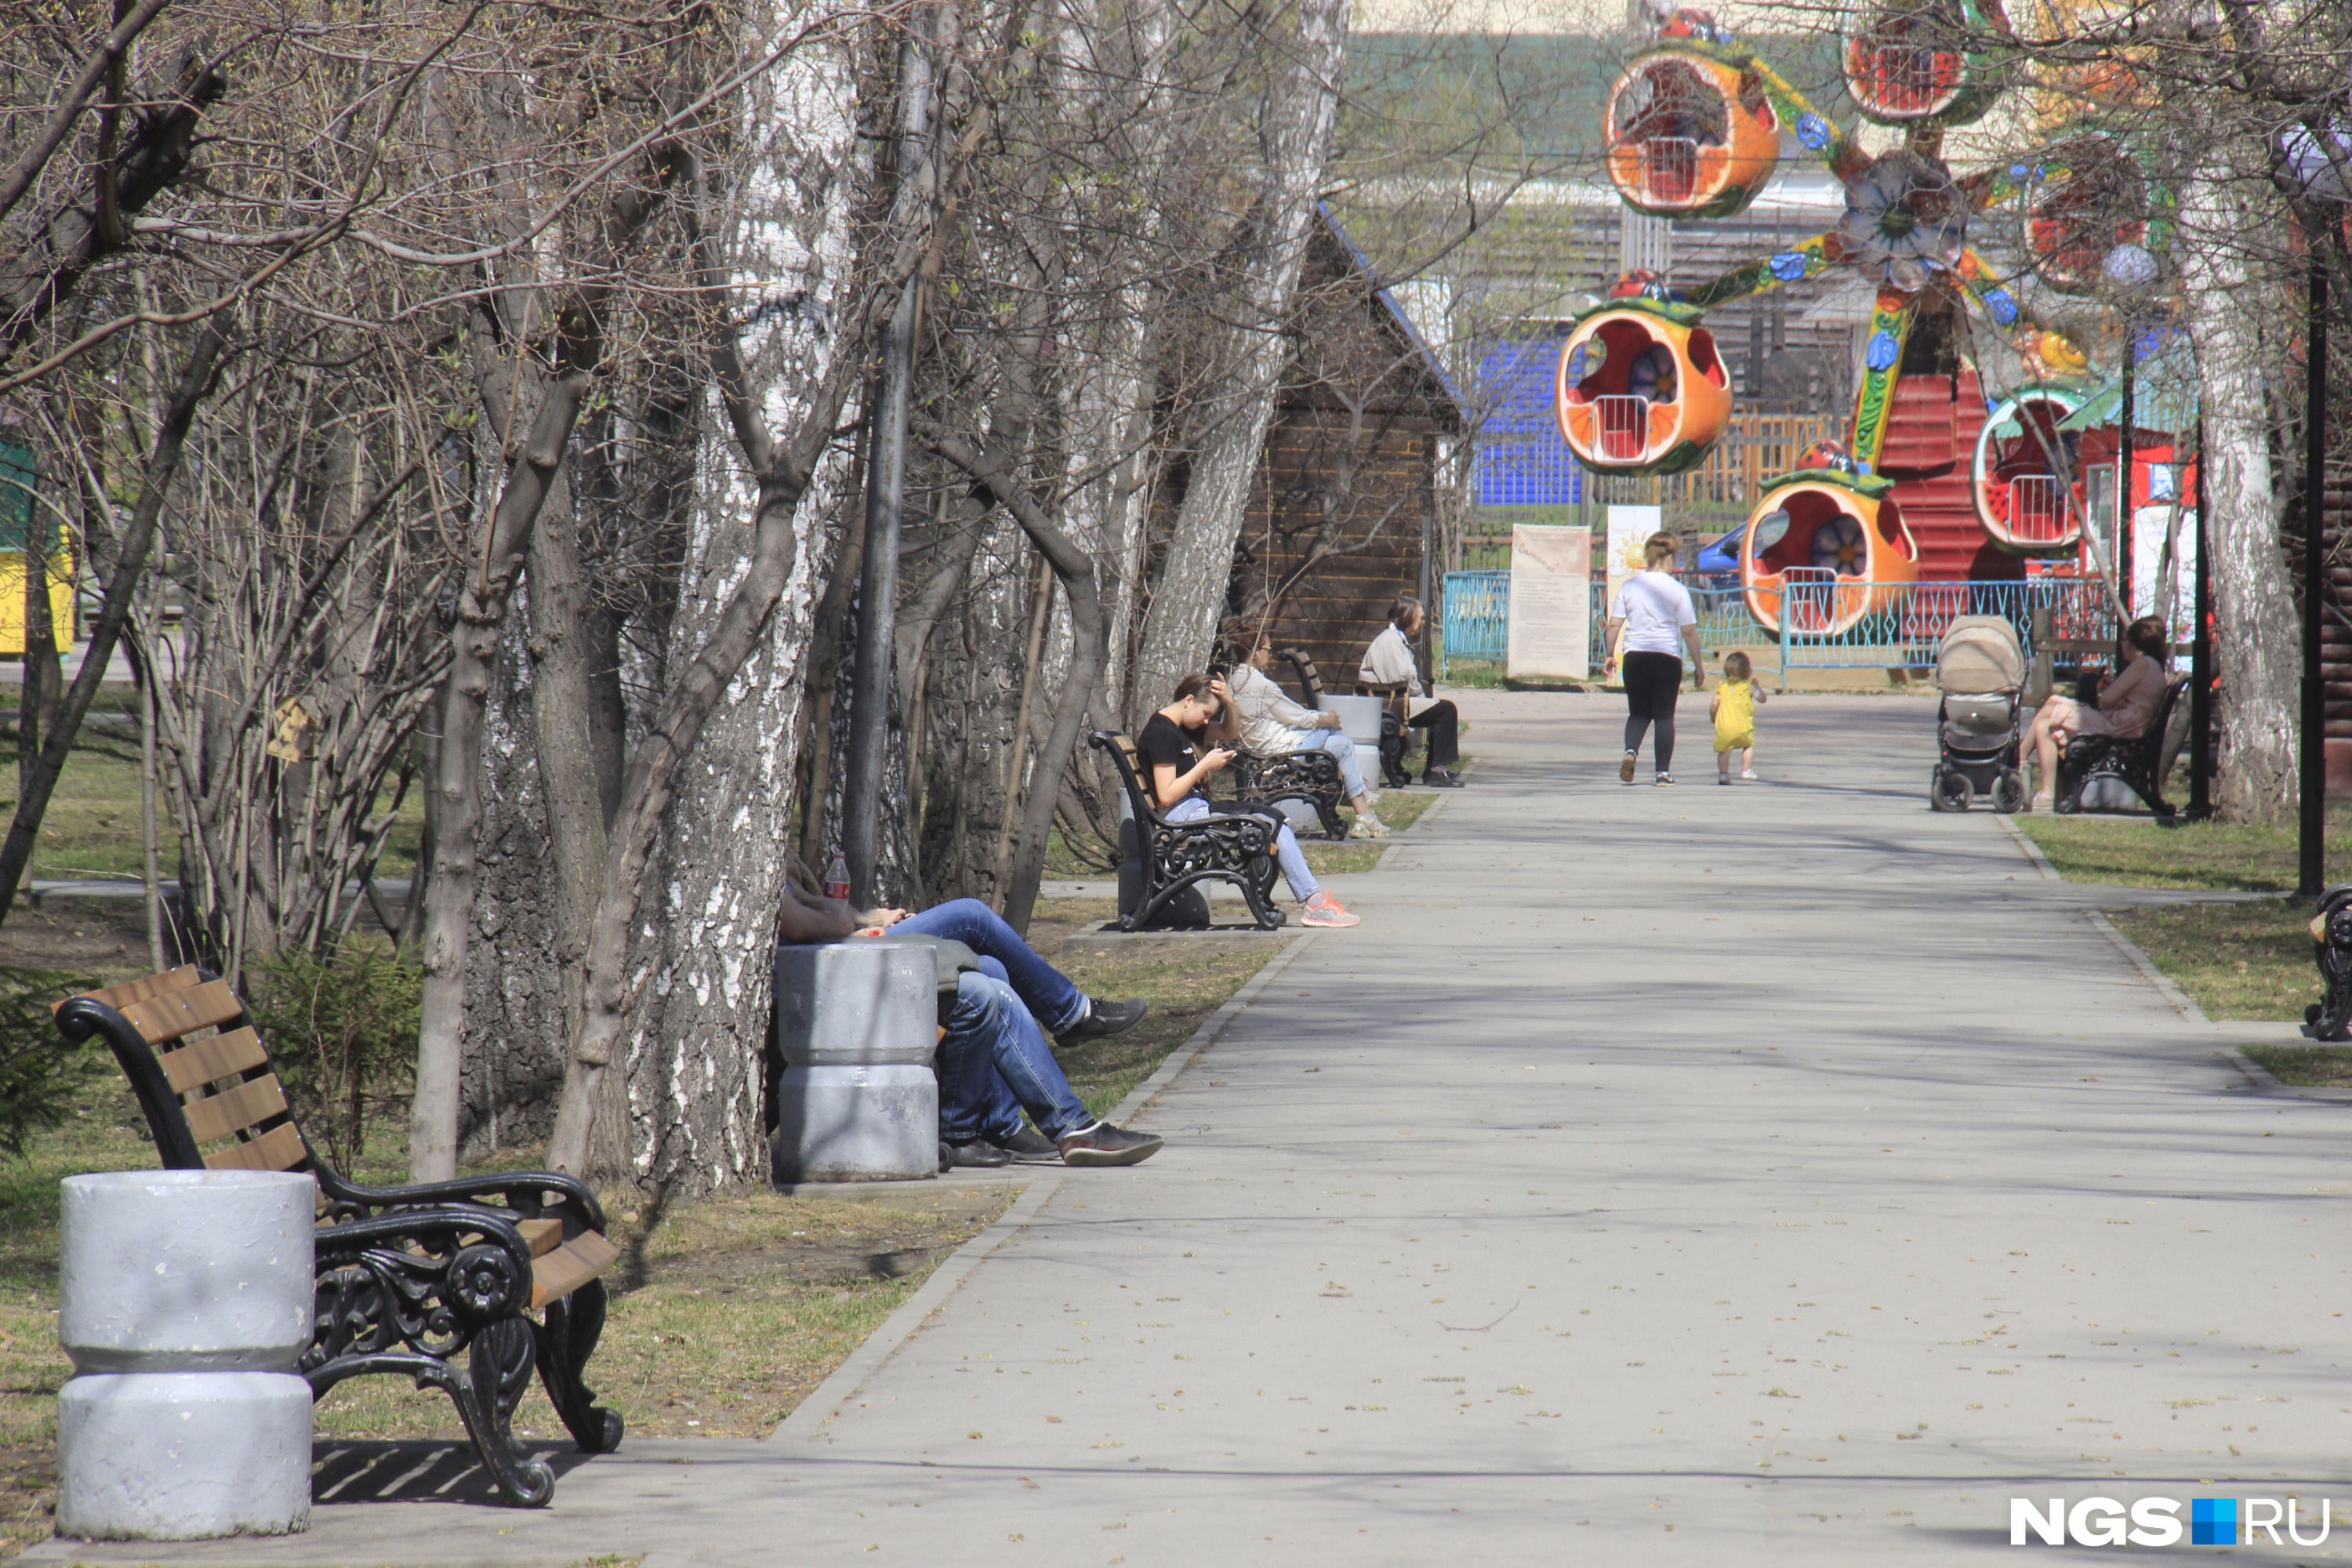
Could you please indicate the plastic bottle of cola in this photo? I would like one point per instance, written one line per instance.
(836, 877)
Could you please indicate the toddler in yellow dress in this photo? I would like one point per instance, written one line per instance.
(1736, 698)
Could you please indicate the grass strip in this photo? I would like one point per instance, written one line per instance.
(2133, 852)
(2238, 961)
(2304, 1067)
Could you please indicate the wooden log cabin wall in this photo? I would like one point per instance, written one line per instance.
(1342, 514)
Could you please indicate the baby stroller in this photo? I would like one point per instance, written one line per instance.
(1980, 671)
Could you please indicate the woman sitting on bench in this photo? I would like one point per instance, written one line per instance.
(2126, 705)
(1179, 755)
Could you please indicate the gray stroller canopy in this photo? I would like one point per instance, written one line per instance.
(1980, 654)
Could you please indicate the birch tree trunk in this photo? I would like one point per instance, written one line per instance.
(2258, 655)
(678, 970)
(1237, 404)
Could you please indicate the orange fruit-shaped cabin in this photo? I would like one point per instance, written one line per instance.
(1641, 388)
(1690, 136)
(1823, 549)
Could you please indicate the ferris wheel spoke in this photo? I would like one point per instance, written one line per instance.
(1790, 264)
(1873, 402)
(2046, 350)
(1834, 149)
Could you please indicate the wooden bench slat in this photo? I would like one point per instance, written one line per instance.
(279, 1148)
(570, 1266)
(216, 1116)
(541, 1236)
(121, 996)
(208, 1061)
(176, 1012)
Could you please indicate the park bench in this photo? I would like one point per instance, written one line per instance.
(1396, 735)
(1310, 777)
(2137, 763)
(2331, 936)
(1236, 848)
(409, 1279)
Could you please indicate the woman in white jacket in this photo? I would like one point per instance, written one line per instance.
(1273, 725)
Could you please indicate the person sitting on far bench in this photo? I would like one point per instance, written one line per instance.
(1389, 662)
(1273, 725)
(1182, 751)
(994, 1062)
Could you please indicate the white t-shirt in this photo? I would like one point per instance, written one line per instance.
(1654, 608)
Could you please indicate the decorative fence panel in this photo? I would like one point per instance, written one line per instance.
(1478, 613)
(1476, 616)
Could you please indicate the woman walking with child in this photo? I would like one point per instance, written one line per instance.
(1734, 712)
(1653, 622)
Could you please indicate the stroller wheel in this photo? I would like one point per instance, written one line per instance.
(1948, 790)
(2008, 792)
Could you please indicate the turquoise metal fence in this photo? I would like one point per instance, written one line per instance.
(1905, 631)
(1902, 633)
(1476, 617)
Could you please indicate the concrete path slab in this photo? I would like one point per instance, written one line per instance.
(1777, 1174)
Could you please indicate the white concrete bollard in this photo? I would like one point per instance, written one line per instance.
(185, 1302)
(858, 1024)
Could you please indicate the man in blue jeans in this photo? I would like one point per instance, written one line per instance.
(993, 1062)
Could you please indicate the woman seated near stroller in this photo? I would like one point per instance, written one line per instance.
(2126, 702)
(1179, 753)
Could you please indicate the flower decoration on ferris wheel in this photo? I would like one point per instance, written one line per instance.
(1697, 125)
(1905, 221)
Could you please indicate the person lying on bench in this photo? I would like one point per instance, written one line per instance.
(1179, 759)
(1389, 661)
(1272, 725)
(994, 1062)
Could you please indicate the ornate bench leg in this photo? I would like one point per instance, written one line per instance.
(2328, 1019)
(566, 1340)
(499, 1370)
(1257, 891)
(500, 1361)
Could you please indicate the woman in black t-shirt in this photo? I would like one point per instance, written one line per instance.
(1180, 757)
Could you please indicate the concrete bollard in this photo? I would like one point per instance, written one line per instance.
(858, 1024)
(186, 1303)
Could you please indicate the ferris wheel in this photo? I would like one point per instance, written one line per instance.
(1694, 128)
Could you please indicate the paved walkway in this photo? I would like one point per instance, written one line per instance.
(1785, 1175)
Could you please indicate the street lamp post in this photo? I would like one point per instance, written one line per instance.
(2201, 661)
(2315, 161)
(2314, 782)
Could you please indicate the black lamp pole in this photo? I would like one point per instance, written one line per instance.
(2201, 662)
(2127, 454)
(2314, 784)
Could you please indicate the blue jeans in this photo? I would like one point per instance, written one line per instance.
(1047, 990)
(1303, 885)
(994, 1063)
(1340, 744)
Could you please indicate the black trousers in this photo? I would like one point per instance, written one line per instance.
(1444, 722)
(1652, 681)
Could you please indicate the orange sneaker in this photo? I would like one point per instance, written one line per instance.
(1323, 909)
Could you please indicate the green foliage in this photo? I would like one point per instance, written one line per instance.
(342, 1028)
(41, 1077)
